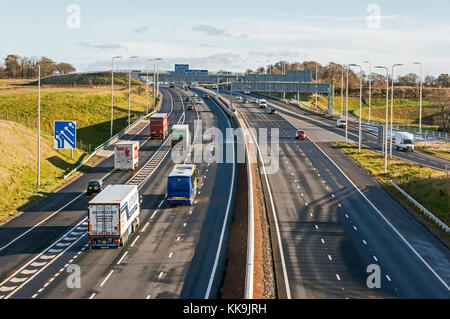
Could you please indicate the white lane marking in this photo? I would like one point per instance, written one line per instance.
(387, 221)
(184, 224)
(311, 214)
(46, 257)
(153, 215)
(76, 233)
(170, 255)
(145, 227)
(107, 277)
(18, 280)
(160, 274)
(388, 278)
(148, 297)
(161, 203)
(339, 205)
(332, 195)
(55, 250)
(323, 241)
(337, 276)
(222, 234)
(354, 227)
(317, 227)
(40, 290)
(46, 264)
(62, 244)
(306, 203)
(34, 296)
(92, 296)
(346, 215)
(121, 259)
(365, 243)
(375, 257)
(38, 264)
(132, 244)
(28, 272)
(329, 257)
(6, 289)
(17, 238)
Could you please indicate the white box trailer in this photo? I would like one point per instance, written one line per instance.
(126, 155)
(113, 215)
(404, 141)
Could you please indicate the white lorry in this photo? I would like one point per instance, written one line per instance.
(126, 155)
(404, 141)
(113, 215)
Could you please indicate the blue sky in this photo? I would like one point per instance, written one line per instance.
(231, 35)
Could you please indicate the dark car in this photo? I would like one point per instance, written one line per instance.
(95, 186)
(273, 111)
(190, 107)
(187, 99)
(244, 100)
(300, 135)
(206, 96)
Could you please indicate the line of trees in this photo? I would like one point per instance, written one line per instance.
(331, 73)
(17, 67)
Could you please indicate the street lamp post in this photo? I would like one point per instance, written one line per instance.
(342, 91)
(129, 88)
(420, 109)
(392, 107)
(346, 108)
(316, 85)
(112, 92)
(370, 85)
(360, 103)
(385, 147)
(39, 126)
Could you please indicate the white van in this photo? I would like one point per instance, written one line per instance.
(404, 141)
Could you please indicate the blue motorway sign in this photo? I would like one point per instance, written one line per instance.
(65, 135)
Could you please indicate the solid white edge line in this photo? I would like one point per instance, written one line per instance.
(121, 259)
(386, 220)
(382, 216)
(222, 234)
(248, 293)
(283, 263)
(107, 277)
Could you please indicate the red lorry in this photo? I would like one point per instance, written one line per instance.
(158, 125)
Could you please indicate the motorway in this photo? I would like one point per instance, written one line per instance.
(368, 139)
(178, 252)
(334, 220)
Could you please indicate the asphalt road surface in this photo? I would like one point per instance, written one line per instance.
(332, 228)
(177, 252)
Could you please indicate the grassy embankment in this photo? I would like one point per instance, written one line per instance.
(429, 187)
(89, 106)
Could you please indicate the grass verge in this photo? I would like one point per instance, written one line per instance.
(18, 172)
(428, 186)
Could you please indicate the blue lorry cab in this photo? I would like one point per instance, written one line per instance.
(182, 185)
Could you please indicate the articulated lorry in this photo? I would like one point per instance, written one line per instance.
(159, 125)
(113, 215)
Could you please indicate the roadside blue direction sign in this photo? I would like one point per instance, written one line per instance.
(65, 135)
